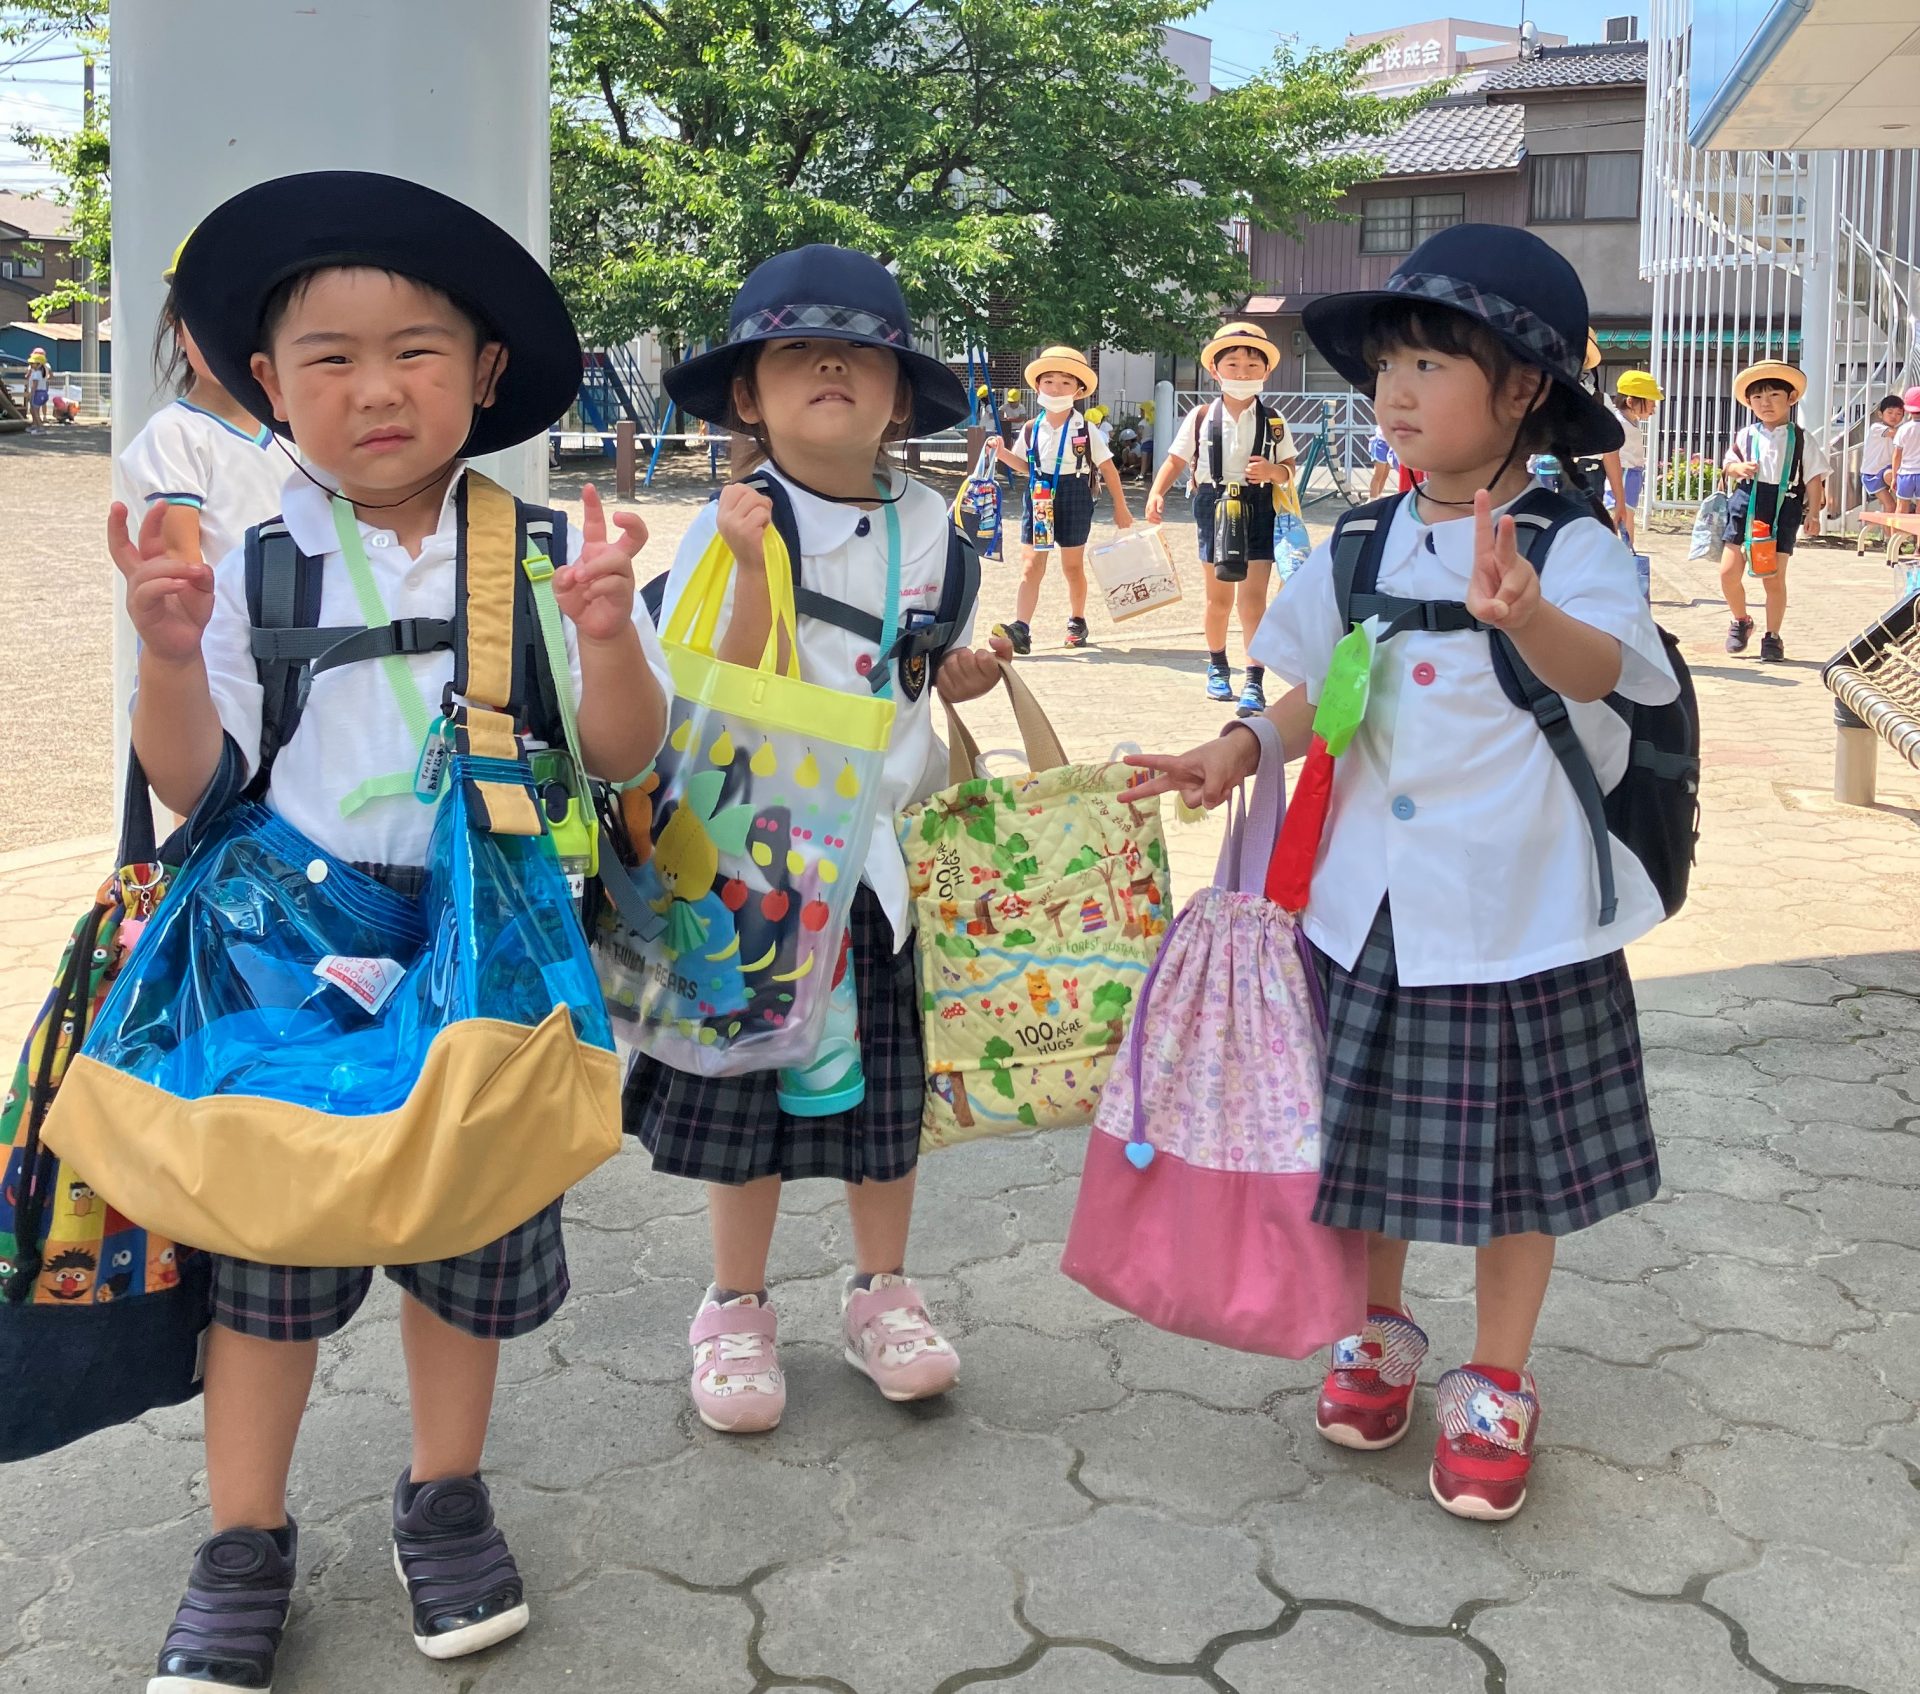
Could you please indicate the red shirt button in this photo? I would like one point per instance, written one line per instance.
(864, 663)
(1423, 673)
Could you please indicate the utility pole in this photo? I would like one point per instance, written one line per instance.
(90, 308)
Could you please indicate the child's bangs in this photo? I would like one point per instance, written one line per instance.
(1397, 324)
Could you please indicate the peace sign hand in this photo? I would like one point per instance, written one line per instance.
(596, 590)
(170, 600)
(1504, 590)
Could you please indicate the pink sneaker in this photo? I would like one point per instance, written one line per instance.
(891, 1340)
(737, 1385)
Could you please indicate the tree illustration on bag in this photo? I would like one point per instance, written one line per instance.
(1111, 1003)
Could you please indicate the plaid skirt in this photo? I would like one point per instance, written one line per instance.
(731, 1128)
(1469, 1112)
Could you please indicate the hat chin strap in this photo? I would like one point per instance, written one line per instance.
(874, 499)
(425, 483)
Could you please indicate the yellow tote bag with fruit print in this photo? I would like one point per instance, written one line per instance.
(1039, 902)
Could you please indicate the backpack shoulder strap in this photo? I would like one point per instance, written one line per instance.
(808, 602)
(283, 606)
(1214, 424)
(1359, 546)
(959, 592)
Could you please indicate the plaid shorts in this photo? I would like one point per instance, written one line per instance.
(509, 1287)
(1465, 1113)
(730, 1128)
(1262, 518)
(1072, 512)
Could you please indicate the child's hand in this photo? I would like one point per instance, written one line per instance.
(1744, 469)
(967, 673)
(742, 517)
(1259, 471)
(1156, 507)
(1204, 777)
(1122, 518)
(170, 600)
(596, 590)
(1504, 590)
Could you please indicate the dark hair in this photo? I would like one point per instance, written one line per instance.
(289, 293)
(170, 367)
(1882, 404)
(756, 433)
(1434, 329)
(1767, 385)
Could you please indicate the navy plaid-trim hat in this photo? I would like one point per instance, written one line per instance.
(821, 293)
(1508, 279)
(268, 234)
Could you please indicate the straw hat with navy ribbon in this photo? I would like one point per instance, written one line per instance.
(1509, 280)
(1771, 370)
(819, 293)
(1066, 361)
(1250, 336)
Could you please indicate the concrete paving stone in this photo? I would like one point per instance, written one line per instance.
(830, 1406)
(984, 1170)
(1082, 1670)
(1852, 1210)
(1692, 994)
(959, 1484)
(1067, 1148)
(683, 1247)
(1791, 1304)
(1896, 973)
(1622, 1248)
(1680, 1114)
(1151, 1358)
(1142, 1582)
(1323, 1647)
(1899, 1049)
(1689, 1032)
(1893, 1350)
(638, 1334)
(1762, 1020)
(1624, 1323)
(1162, 1449)
(367, 1644)
(352, 1447)
(1645, 1530)
(1760, 1230)
(959, 1231)
(815, 1197)
(1829, 1061)
(1902, 1442)
(627, 1193)
(22, 1582)
(152, 1482)
(123, 1592)
(606, 1425)
(853, 1616)
(1692, 1166)
(1722, 1076)
(1879, 1275)
(1888, 1011)
(1783, 1490)
(1041, 1216)
(1353, 1539)
(1821, 1393)
(1400, 1469)
(604, 1261)
(1879, 1155)
(1805, 1099)
(1027, 1288)
(1636, 1416)
(1437, 1272)
(1812, 1617)
(715, 1517)
(1039, 1380)
(1555, 1638)
(66, 1667)
(668, 1640)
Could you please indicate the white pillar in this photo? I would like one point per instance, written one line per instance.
(1819, 283)
(212, 96)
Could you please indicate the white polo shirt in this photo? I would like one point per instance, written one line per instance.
(352, 728)
(1878, 452)
(1633, 449)
(185, 456)
(1449, 801)
(1040, 440)
(844, 555)
(1907, 439)
(1765, 445)
(1193, 442)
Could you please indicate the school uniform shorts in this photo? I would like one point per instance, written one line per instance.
(1874, 482)
(1786, 527)
(1260, 519)
(1072, 512)
(1908, 487)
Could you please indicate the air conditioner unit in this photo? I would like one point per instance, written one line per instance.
(1623, 29)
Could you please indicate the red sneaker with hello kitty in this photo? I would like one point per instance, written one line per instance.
(1485, 1450)
(1364, 1400)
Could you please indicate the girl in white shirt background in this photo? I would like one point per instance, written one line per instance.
(1876, 458)
(819, 369)
(1484, 1085)
(215, 468)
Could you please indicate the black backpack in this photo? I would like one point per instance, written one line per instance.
(1655, 806)
(926, 638)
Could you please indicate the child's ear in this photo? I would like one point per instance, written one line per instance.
(746, 404)
(903, 401)
(493, 364)
(264, 374)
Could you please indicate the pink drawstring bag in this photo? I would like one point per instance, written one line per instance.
(1195, 1211)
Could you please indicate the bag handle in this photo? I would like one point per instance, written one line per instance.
(1256, 820)
(1037, 737)
(695, 620)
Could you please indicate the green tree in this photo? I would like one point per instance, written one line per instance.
(80, 162)
(1042, 159)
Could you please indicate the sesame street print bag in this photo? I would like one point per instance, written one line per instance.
(1039, 903)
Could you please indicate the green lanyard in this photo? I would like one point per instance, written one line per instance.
(406, 692)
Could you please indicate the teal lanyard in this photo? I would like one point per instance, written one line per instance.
(890, 619)
(1060, 453)
(406, 692)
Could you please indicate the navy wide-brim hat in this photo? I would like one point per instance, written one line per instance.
(1509, 280)
(819, 293)
(275, 231)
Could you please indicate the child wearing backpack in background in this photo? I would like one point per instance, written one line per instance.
(1779, 474)
(1484, 1078)
(212, 467)
(1059, 453)
(820, 370)
(391, 332)
(1238, 450)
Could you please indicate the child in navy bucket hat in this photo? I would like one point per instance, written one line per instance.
(820, 372)
(1484, 1076)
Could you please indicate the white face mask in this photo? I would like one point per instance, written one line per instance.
(1057, 404)
(1241, 387)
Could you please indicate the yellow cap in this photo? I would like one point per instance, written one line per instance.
(173, 264)
(1639, 385)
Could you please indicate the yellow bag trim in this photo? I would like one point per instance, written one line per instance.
(493, 566)
(490, 735)
(770, 700)
(502, 1122)
(510, 809)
